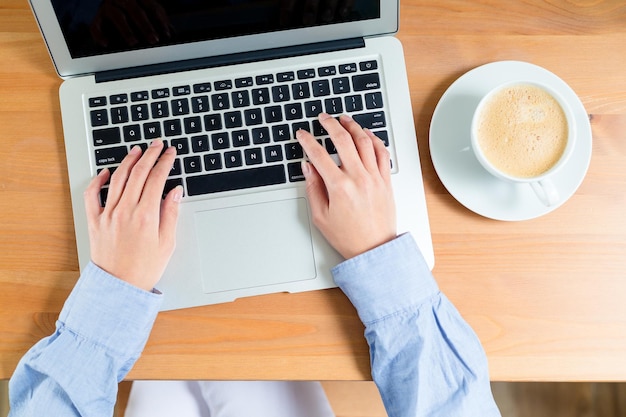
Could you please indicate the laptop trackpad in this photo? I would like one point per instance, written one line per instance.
(255, 245)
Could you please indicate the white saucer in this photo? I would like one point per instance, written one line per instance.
(460, 171)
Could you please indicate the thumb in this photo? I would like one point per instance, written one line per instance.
(315, 190)
(169, 215)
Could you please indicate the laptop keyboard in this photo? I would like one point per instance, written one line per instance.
(233, 134)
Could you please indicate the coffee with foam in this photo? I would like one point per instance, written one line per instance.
(522, 130)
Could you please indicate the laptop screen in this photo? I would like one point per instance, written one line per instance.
(92, 27)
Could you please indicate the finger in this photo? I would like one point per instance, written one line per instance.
(155, 183)
(91, 195)
(120, 177)
(318, 156)
(342, 139)
(169, 215)
(362, 142)
(140, 172)
(316, 191)
(383, 157)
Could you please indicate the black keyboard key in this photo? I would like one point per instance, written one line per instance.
(97, 101)
(320, 88)
(293, 111)
(260, 96)
(313, 108)
(233, 119)
(347, 68)
(180, 106)
(273, 114)
(327, 71)
(132, 133)
(241, 98)
(294, 170)
(253, 117)
(330, 146)
(318, 129)
(232, 159)
(201, 88)
(300, 126)
(240, 138)
(280, 133)
(341, 85)
(220, 101)
(99, 117)
(374, 120)
(353, 103)
(264, 79)
(274, 153)
(236, 180)
(368, 65)
(253, 156)
(183, 90)
(160, 93)
(170, 184)
(212, 122)
(366, 82)
(280, 93)
(152, 130)
(333, 105)
(172, 127)
(107, 136)
(139, 96)
(306, 73)
(192, 124)
(119, 115)
(200, 143)
(139, 112)
(285, 76)
(108, 156)
(223, 85)
(243, 82)
(200, 104)
(293, 151)
(220, 141)
(212, 162)
(192, 164)
(300, 90)
(159, 109)
(118, 98)
(383, 135)
(176, 168)
(260, 135)
(374, 100)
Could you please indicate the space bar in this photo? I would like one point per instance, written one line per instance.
(236, 180)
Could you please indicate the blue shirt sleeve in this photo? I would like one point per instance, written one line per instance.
(101, 332)
(425, 359)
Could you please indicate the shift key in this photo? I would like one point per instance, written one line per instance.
(109, 156)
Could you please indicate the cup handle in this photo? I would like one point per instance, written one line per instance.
(546, 192)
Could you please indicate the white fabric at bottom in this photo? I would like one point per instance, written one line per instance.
(228, 399)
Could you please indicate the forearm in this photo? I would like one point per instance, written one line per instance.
(100, 333)
(425, 359)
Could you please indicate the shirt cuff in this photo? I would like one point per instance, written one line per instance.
(386, 280)
(110, 312)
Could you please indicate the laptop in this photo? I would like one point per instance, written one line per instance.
(228, 83)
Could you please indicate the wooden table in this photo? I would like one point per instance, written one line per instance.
(547, 297)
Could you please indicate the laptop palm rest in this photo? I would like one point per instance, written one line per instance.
(255, 245)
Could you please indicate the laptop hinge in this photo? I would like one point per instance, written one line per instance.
(230, 59)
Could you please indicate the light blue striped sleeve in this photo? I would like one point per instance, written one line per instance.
(100, 333)
(425, 359)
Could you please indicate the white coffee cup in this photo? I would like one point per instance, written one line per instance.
(524, 132)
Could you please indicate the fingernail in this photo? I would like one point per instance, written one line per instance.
(346, 117)
(306, 168)
(155, 142)
(324, 116)
(135, 150)
(178, 194)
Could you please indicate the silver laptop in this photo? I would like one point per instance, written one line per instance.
(228, 83)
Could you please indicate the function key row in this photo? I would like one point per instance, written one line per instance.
(199, 88)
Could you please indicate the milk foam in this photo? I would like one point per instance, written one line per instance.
(522, 130)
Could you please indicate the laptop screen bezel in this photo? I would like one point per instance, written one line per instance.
(67, 67)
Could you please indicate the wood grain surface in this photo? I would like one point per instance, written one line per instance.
(547, 297)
